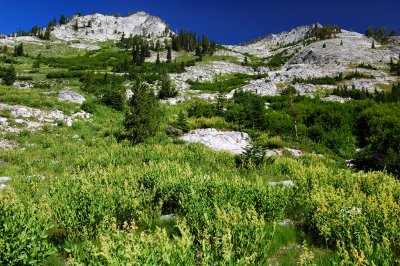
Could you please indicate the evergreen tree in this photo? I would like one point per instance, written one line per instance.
(324, 45)
(393, 32)
(168, 89)
(341, 42)
(143, 118)
(158, 46)
(63, 20)
(169, 55)
(182, 123)
(373, 44)
(246, 61)
(158, 59)
(219, 109)
(76, 26)
(113, 96)
(36, 63)
(370, 32)
(10, 76)
(19, 50)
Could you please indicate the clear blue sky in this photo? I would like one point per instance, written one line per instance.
(225, 21)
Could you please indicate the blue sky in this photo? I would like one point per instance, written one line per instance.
(225, 21)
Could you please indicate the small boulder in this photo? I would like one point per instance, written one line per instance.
(70, 96)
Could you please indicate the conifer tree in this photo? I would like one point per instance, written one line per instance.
(158, 58)
(19, 50)
(63, 20)
(169, 55)
(168, 89)
(10, 76)
(182, 123)
(373, 44)
(144, 116)
(36, 64)
(76, 27)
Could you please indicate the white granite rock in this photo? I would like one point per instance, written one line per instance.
(234, 142)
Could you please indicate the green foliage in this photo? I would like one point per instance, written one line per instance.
(144, 115)
(19, 50)
(248, 110)
(168, 89)
(224, 84)
(252, 157)
(9, 76)
(201, 109)
(113, 96)
(380, 35)
(278, 60)
(182, 123)
(24, 230)
(64, 74)
(379, 128)
(324, 32)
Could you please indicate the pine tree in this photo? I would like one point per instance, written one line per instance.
(158, 59)
(169, 55)
(373, 44)
(219, 109)
(19, 50)
(168, 89)
(246, 61)
(341, 42)
(63, 20)
(36, 63)
(10, 76)
(182, 123)
(76, 26)
(144, 116)
(370, 32)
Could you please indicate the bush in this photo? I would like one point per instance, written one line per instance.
(23, 233)
(64, 75)
(201, 109)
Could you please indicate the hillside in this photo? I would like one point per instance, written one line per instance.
(123, 144)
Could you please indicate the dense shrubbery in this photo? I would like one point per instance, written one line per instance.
(64, 74)
(332, 80)
(224, 84)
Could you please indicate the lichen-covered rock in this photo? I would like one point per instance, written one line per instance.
(70, 96)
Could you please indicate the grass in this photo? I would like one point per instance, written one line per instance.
(101, 193)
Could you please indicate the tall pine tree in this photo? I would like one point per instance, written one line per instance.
(144, 116)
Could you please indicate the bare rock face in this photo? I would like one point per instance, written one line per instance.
(232, 141)
(100, 27)
(262, 87)
(334, 98)
(207, 73)
(70, 96)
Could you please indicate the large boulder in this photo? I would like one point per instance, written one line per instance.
(70, 96)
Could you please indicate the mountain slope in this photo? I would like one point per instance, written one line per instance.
(100, 27)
